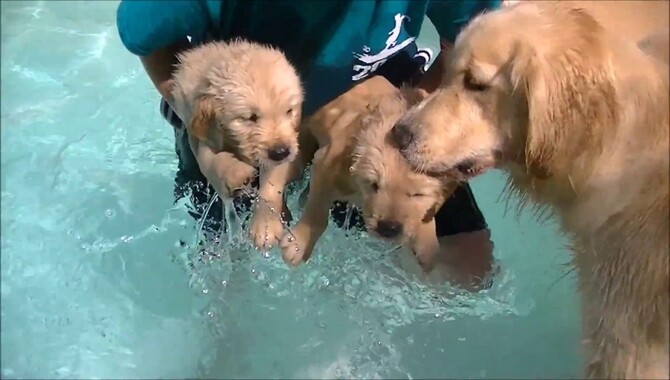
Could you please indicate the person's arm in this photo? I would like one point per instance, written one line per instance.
(160, 66)
(157, 31)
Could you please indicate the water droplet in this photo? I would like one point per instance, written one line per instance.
(210, 314)
(224, 282)
(109, 213)
(253, 271)
(266, 254)
(205, 291)
(437, 315)
(126, 239)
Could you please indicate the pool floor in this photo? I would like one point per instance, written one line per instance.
(101, 277)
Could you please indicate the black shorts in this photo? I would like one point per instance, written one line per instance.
(459, 214)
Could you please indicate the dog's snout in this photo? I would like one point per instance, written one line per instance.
(402, 134)
(388, 228)
(278, 153)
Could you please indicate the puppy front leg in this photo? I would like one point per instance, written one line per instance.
(425, 245)
(227, 174)
(298, 244)
(266, 227)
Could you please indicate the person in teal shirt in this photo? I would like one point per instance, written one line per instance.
(334, 44)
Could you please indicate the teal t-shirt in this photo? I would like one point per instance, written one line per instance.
(333, 43)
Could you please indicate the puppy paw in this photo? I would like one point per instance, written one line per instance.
(236, 175)
(295, 245)
(266, 227)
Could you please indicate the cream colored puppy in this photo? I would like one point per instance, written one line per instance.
(577, 115)
(244, 101)
(356, 163)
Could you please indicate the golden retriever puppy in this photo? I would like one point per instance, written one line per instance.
(577, 115)
(355, 163)
(244, 100)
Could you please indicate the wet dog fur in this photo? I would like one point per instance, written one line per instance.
(356, 162)
(244, 100)
(577, 115)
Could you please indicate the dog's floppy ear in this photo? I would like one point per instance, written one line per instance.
(568, 93)
(203, 117)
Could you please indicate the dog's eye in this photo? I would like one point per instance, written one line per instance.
(374, 186)
(471, 84)
(250, 118)
(466, 167)
(416, 195)
(290, 112)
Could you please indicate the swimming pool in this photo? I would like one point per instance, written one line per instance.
(96, 281)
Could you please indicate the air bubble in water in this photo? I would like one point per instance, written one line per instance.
(205, 291)
(110, 213)
(266, 254)
(126, 239)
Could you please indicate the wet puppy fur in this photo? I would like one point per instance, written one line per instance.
(576, 113)
(356, 162)
(244, 100)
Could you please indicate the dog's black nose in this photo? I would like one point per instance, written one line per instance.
(278, 153)
(388, 229)
(402, 135)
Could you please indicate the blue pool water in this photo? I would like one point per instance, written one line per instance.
(95, 282)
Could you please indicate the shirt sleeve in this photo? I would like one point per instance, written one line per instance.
(147, 25)
(450, 16)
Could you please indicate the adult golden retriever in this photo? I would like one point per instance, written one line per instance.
(244, 100)
(356, 162)
(576, 111)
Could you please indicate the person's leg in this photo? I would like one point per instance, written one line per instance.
(467, 249)
(339, 214)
